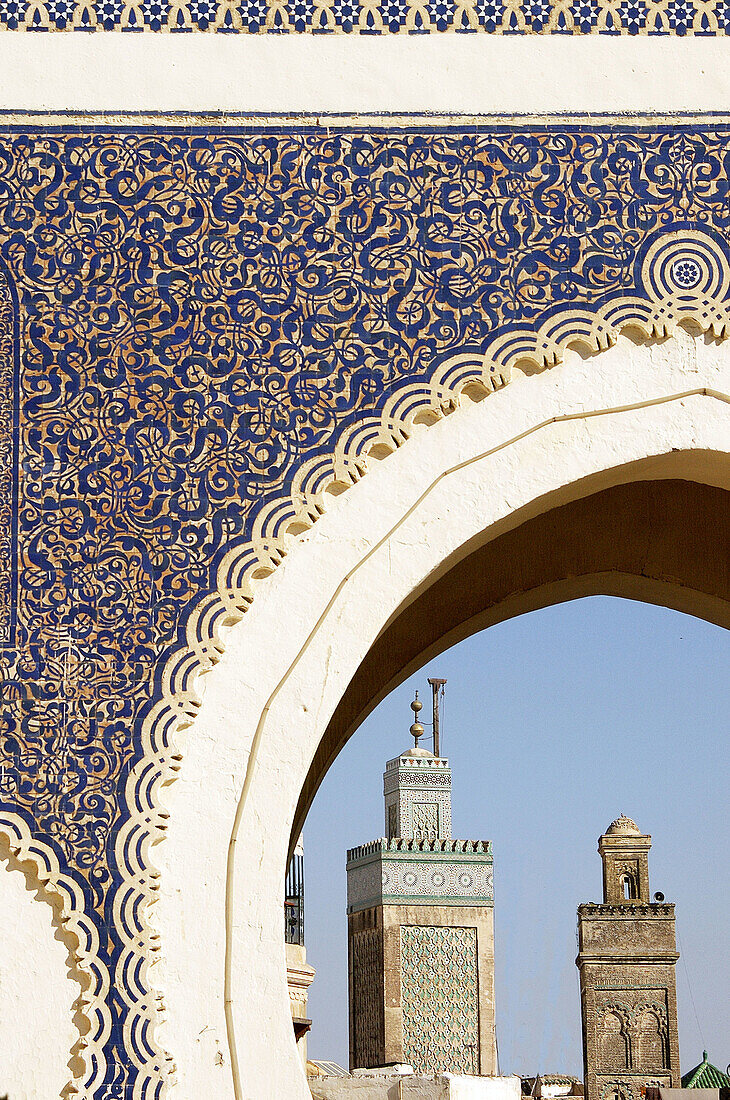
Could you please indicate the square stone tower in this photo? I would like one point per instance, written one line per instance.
(626, 957)
(421, 930)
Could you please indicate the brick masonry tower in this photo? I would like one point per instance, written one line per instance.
(626, 958)
(421, 930)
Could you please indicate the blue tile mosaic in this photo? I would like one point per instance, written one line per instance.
(189, 315)
(370, 17)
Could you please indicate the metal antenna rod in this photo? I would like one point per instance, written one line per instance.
(436, 686)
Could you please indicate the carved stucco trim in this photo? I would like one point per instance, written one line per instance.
(40, 865)
(655, 310)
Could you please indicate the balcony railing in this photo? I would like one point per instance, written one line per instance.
(294, 902)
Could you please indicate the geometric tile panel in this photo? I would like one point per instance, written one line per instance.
(372, 17)
(381, 874)
(440, 999)
(458, 882)
(425, 819)
(191, 315)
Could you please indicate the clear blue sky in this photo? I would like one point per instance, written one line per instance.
(555, 723)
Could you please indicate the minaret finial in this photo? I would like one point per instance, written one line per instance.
(416, 729)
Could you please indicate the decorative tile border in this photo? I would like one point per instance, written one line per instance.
(9, 376)
(219, 327)
(461, 875)
(372, 17)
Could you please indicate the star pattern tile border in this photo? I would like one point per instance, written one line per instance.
(201, 313)
(372, 17)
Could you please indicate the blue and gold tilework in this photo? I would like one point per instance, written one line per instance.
(187, 315)
(372, 17)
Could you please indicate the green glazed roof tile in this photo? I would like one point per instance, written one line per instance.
(705, 1076)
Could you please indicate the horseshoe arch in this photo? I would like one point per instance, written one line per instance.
(575, 481)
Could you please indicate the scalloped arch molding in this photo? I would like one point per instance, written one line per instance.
(215, 332)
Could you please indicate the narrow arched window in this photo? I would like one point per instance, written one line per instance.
(629, 887)
(650, 1044)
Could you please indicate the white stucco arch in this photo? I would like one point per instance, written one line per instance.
(636, 413)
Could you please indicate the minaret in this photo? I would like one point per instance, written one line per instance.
(626, 957)
(417, 795)
(421, 930)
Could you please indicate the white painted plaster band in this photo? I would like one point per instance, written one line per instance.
(480, 73)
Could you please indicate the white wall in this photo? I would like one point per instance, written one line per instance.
(490, 1088)
(36, 994)
(440, 72)
(448, 1087)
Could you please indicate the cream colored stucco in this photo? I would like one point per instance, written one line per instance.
(635, 411)
(440, 72)
(497, 1088)
(37, 992)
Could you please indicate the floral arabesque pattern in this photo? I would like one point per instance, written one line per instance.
(201, 312)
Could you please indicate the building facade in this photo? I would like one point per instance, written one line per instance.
(299, 974)
(421, 930)
(231, 339)
(626, 959)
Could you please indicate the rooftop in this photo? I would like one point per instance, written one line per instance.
(705, 1076)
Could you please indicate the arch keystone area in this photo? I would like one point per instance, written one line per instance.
(682, 278)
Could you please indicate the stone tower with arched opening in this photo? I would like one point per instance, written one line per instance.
(626, 958)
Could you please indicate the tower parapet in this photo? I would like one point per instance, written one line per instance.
(424, 872)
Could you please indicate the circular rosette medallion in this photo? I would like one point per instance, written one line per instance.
(686, 273)
(687, 268)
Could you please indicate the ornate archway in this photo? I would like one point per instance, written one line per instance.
(505, 506)
(221, 327)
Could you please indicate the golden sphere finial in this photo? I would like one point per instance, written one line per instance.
(417, 729)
